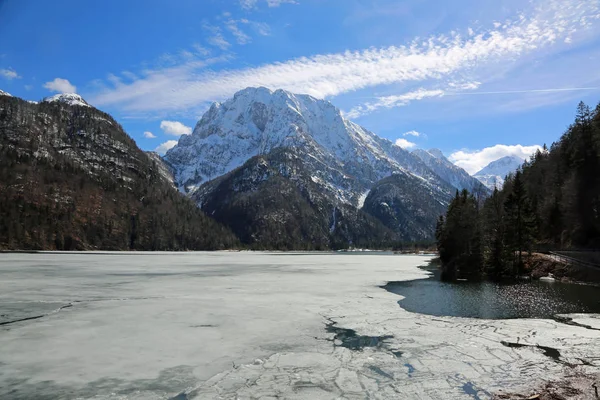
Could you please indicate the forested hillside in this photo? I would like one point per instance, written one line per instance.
(71, 178)
(553, 201)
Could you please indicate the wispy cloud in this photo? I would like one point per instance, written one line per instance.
(175, 128)
(216, 36)
(240, 36)
(60, 85)
(392, 101)
(412, 133)
(473, 161)
(166, 146)
(9, 74)
(249, 4)
(149, 135)
(429, 63)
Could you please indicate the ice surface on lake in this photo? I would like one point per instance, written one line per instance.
(256, 326)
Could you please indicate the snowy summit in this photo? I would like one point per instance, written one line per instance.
(494, 173)
(71, 99)
(257, 120)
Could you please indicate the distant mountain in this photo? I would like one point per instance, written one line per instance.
(494, 173)
(454, 175)
(3, 93)
(71, 178)
(332, 162)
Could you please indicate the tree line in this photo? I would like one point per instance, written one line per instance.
(552, 201)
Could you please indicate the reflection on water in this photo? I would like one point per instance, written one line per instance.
(493, 300)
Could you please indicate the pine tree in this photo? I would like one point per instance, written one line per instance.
(520, 220)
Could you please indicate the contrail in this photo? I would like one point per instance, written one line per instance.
(520, 91)
(450, 93)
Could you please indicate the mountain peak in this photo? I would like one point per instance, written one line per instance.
(494, 173)
(71, 99)
(3, 93)
(255, 121)
(437, 153)
(453, 174)
(504, 165)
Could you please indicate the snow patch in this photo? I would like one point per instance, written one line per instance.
(71, 99)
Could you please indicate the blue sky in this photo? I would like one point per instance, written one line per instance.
(478, 79)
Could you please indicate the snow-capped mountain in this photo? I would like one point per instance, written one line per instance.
(494, 173)
(453, 174)
(3, 93)
(71, 99)
(345, 158)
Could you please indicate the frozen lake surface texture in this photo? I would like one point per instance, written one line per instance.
(259, 326)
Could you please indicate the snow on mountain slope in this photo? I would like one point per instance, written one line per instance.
(67, 98)
(453, 174)
(3, 93)
(348, 158)
(494, 173)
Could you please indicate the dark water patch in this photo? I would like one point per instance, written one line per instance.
(381, 372)
(547, 351)
(398, 354)
(470, 389)
(349, 339)
(491, 300)
(411, 369)
(203, 326)
(180, 396)
(569, 321)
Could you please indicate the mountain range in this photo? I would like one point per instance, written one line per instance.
(277, 169)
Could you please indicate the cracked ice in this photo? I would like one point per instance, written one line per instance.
(258, 326)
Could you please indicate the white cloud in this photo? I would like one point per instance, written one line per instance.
(262, 28)
(149, 135)
(164, 147)
(216, 39)
(240, 36)
(427, 62)
(412, 133)
(175, 128)
(61, 86)
(474, 161)
(406, 98)
(248, 4)
(201, 50)
(392, 101)
(405, 144)
(219, 41)
(9, 74)
(277, 3)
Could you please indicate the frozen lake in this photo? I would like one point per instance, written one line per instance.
(257, 326)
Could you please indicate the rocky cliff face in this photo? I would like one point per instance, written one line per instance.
(274, 202)
(452, 174)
